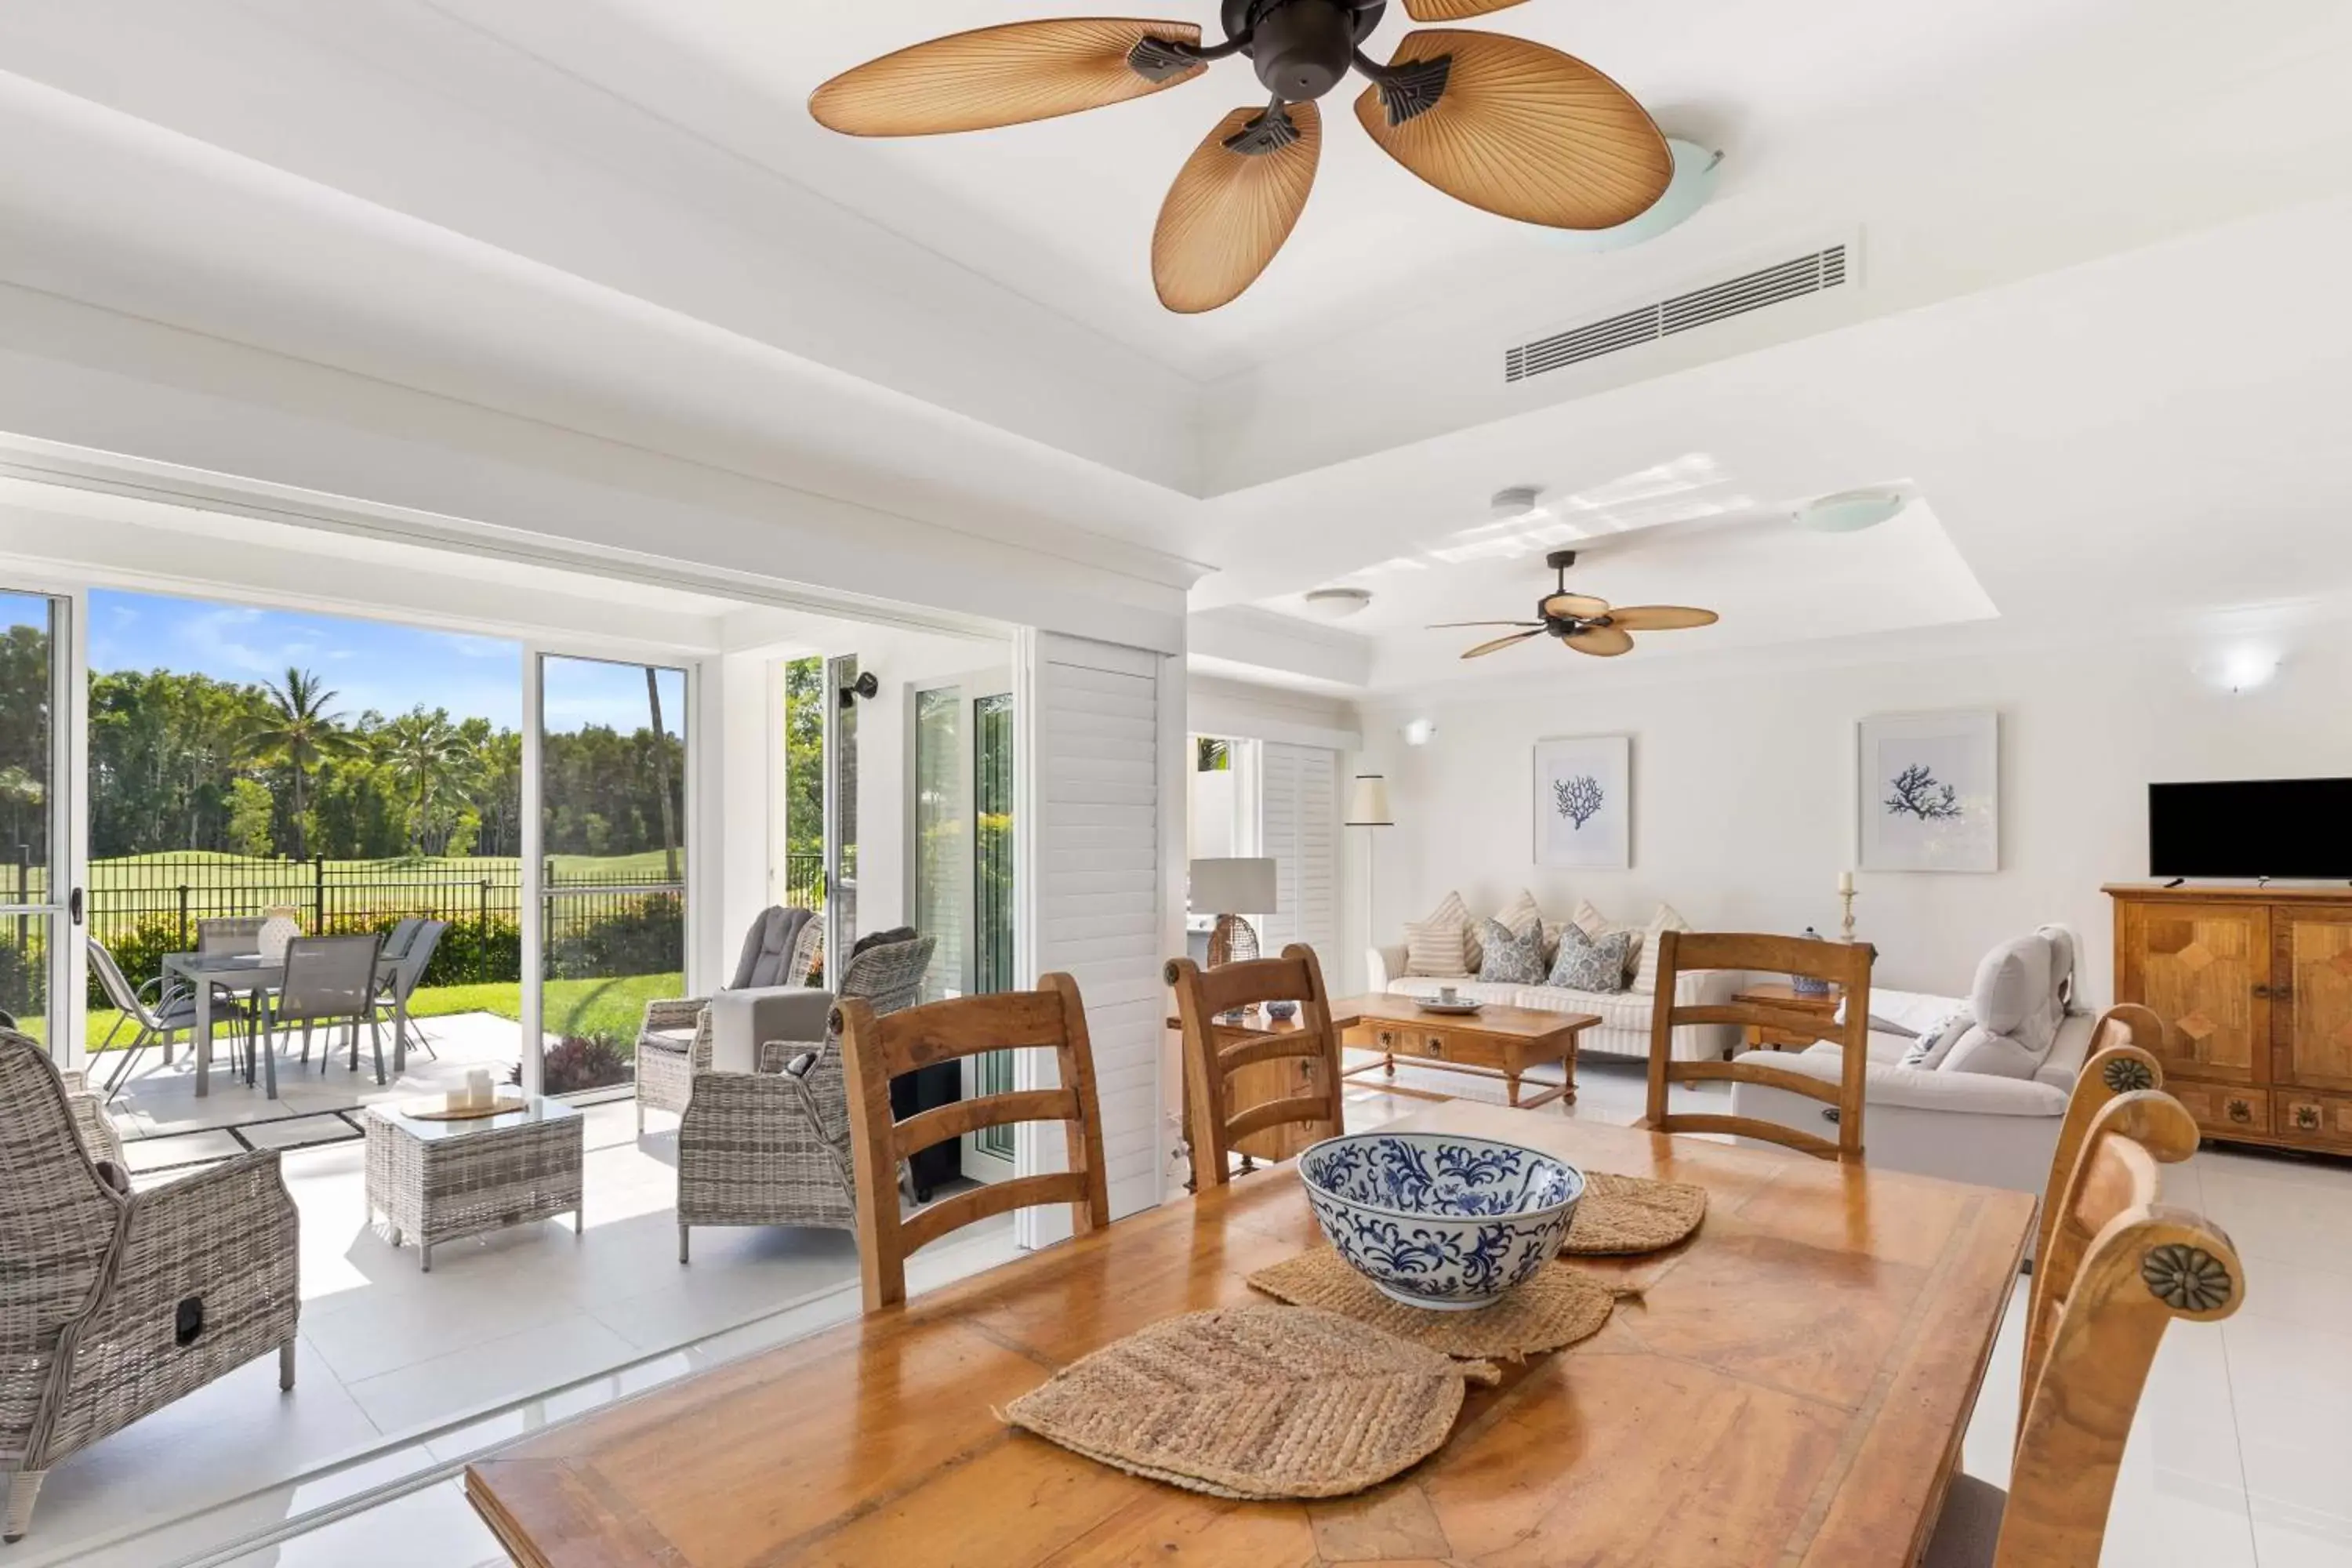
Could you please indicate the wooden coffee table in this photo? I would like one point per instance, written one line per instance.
(1493, 1042)
(1781, 993)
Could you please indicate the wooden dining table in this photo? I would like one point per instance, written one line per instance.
(1790, 1387)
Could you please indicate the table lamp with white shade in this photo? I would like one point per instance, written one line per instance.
(1368, 807)
(1227, 889)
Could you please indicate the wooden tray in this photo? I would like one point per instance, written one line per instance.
(442, 1110)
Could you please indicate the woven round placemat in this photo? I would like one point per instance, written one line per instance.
(1254, 1402)
(1633, 1214)
(1558, 1306)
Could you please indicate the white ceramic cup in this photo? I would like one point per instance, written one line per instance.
(1447, 994)
(479, 1092)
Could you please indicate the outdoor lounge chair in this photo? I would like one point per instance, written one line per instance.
(115, 1303)
(772, 1147)
(769, 997)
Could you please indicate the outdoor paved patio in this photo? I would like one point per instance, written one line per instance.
(159, 1101)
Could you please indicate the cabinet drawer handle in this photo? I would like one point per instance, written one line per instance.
(2241, 1112)
(2306, 1116)
(2262, 991)
(1436, 1045)
(1387, 1038)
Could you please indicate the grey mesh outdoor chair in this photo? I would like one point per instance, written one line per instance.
(408, 967)
(329, 980)
(159, 1020)
(114, 1303)
(229, 935)
(403, 932)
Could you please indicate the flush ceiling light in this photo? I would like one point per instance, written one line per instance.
(1336, 604)
(1690, 189)
(1850, 511)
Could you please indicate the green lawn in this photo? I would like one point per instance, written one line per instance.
(148, 872)
(609, 1007)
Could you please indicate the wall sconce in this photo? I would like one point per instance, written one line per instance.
(866, 685)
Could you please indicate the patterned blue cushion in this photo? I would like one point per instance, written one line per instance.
(1511, 960)
(1587, 963)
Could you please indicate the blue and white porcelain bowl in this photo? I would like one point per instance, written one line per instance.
(1439, 1220)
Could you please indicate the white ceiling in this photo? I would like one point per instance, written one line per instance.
(2096, 325)
(1963, 119)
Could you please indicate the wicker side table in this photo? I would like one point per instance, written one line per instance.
(438, 1181)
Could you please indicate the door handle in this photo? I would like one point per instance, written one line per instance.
(73, 905)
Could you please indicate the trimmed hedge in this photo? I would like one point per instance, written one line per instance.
(641, 936)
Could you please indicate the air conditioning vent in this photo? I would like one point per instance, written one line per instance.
(1791, 279)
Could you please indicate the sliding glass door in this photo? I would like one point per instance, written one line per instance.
(613, 748)
(40, 904)
(960, 871)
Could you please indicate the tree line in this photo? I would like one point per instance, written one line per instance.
(276, 768)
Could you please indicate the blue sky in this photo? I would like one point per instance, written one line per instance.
(368, 664)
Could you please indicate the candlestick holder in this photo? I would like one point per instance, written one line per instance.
(1846, 897)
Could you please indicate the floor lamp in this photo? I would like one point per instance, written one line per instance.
(1368, 807)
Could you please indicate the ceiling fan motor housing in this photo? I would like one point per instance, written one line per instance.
(1302, 49)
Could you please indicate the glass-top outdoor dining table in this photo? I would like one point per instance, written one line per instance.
(245, 974)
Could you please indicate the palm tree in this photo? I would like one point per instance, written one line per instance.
(425, 753)
(301, 733)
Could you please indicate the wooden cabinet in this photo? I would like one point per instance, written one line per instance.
(2255, 986)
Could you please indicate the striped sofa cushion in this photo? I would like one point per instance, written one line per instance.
(1441, 945)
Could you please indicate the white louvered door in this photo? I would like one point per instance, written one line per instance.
(1299, 831)
(1098, 898)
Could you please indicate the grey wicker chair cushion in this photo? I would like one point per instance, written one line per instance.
(768, 948)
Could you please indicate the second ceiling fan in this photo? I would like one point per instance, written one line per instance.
(1586, 624)
(1503, 124)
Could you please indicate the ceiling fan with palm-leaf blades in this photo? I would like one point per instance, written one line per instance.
(1500, 123)
(1584, 623)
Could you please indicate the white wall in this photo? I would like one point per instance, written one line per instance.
(1744, 789)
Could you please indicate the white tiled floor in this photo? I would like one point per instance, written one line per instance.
(2238, 1457)
(388, 1351)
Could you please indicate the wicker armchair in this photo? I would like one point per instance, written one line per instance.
(782, 949)
(115, 1303)
(772, 1147)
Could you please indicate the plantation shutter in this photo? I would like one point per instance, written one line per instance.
(1101, 901)
(1299, 831)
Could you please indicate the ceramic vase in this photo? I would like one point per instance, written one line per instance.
(278, 930)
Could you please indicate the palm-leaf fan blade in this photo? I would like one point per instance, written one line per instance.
(1455, 10)
(1486, 647)
(1602, 642)
(1233, 204)
(1522, 130)
(1006, 75)
(1661, 617)
(1574, 606)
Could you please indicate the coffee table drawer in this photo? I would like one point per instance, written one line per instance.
(1403, 1040)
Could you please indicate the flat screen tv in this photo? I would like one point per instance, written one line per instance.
(2255, 828)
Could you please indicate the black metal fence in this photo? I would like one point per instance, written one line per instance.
(161, 897)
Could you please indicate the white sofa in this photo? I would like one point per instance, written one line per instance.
(1624, 1027)
(1962, 1126)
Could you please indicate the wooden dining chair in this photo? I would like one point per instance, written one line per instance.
(1209, 1067)
(2117, 1061)
(875, 1049)
(2119, 1266)
(1842, 964)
